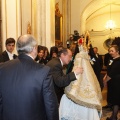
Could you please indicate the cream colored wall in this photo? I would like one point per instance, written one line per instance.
(78, 22)
(40, 13)
(11, 26)
(98, 24)
(26, 14)
(75, 15)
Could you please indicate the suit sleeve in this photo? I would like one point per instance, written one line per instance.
(50, 99)
(1, 103)
(101, 62)
(60, 79)
(106, 59)
(1, 59)
(0, 106)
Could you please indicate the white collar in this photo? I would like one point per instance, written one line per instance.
(30, 56)
(61, 62)
(10, 54)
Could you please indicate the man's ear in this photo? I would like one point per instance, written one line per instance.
(62, 54)
(34, 48)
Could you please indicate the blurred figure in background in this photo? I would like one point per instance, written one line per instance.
(60, 48)
(97, 65)
(40, 55)
(53, 52)
(8, 53)
(46, 56)
(99, 57)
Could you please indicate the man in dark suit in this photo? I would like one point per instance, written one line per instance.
(60, 79)
(8, 53)
(26, 87)
(99, 57)
(97, 66)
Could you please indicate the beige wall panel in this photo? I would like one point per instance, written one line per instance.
(26, 12)
(11, 20)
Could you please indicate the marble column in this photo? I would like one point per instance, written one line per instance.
(11, 26)
(67, 20)
(43, 24)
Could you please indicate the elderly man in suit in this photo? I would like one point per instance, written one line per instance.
(97, 66)
(8, 53)
(60, 79)
(26, 88)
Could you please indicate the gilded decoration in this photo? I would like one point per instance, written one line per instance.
(28, 28)
(58, 25)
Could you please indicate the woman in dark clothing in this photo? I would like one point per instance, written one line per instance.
(113, 81)
(40, 55)
(53, 52)
(46, 56)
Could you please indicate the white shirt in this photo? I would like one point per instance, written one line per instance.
(73, 71)
(61, 62)
(10, 55)
(30, 56)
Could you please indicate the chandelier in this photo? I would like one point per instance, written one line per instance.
(110, 23)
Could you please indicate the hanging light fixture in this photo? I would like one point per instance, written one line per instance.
(110, 23)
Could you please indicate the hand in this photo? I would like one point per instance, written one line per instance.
(78, 70)
(105, 83)
(104, 78)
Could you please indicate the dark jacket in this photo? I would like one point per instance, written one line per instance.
(113, 85)
(107, 57)
(4, 56)
(26, 91)
(60, 79)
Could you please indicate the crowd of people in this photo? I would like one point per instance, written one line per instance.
(33, 85)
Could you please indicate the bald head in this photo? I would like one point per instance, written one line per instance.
(25, 44)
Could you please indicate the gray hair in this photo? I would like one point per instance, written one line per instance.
(25, 44)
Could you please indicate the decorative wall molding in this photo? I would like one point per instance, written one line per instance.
(104, 32)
